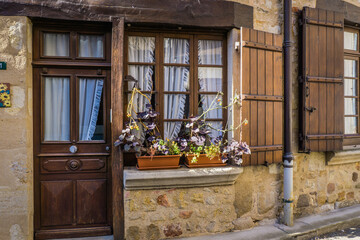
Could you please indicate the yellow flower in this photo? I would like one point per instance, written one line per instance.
(3, 87)
(7, 103)
(4, 96)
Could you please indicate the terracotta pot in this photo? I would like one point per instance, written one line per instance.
(204, 161)
(158, 162)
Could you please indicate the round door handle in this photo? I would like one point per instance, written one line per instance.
(107, 148)
(73, 149)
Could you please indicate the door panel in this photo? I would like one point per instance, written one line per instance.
(91, 201)
(57, 203)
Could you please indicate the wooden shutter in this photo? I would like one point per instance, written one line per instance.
(322, 81)
(261, 85)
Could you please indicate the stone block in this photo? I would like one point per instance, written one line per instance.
(180, 200)
(210, 200)
(355, 176)
(266, 201)
(157, 217)
(149, 204)
(133, 233)
(331, 198)
(163, 200)
(303, 201)
(198, 197)
(350, 195)
(243, 223)
(330, 188)
(321, 199)
(211, 227)
(341, 196)
(152, 232)
(185, 214)
(172, 230)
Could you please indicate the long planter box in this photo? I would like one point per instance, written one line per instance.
(158, 162)
(204, 161)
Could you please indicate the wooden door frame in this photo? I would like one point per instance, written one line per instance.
(116, 122)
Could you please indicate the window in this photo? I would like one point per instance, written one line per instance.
(180, 73)
(351, 82)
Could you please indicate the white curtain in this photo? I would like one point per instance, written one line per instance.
(175, 79)
(141, 50)
(89, 104)
(56, 44)
(210, 78)
(57, 109)
(91, 46)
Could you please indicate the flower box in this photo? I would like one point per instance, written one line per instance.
(203, 161)
(158, 162)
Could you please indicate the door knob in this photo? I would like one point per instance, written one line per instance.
(107, 148)
(73, 149)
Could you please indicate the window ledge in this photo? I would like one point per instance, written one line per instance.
(343, 157)
(180, 178)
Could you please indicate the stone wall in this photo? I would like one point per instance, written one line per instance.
(16, 190)
(154, 214)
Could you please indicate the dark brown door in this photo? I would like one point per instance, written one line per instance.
(72, 146)
(72, 128)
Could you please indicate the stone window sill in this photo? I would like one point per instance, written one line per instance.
(180, 178)
(343, 157)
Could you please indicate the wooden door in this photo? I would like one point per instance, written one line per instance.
(72, 150)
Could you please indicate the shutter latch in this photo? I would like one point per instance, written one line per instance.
(310, 109)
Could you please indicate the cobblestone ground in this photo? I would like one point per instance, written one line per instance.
(349, 233)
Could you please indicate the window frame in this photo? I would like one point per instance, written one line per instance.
(193, 65)
(353, 139)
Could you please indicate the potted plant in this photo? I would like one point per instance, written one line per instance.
(201, 150)
(152, 152)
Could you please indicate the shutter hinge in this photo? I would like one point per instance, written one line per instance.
(310, 109)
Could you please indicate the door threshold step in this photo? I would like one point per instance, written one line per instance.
(88, 238)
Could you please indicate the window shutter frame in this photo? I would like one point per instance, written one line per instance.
(258, 77)
(322, 81)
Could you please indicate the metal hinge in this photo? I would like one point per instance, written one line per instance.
(310, 109)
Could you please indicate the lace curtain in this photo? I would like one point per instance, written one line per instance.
(91, 46)
(210, 79)
(141, 50)
(175, 79)
(57, 109)
(89, 104)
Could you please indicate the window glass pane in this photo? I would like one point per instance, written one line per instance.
(172, 130)
(210, 79)
(176, 79)
(91, 122)
(56, 44)
(210, 52)
(350, 40)
(350, 125)
(91, 46)
(350, 67)
(350, 87)
(212, 102)
(144, 75)
(350, 106)
(214, 128)
(56, 109)
(176, 106)
(176, 50)
(141, 49)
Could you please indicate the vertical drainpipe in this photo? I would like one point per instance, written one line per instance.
(288, 155)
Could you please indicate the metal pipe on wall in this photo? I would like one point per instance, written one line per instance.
(288, 155)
